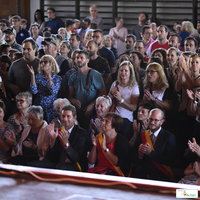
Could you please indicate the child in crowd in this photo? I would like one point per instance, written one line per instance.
(109, 43)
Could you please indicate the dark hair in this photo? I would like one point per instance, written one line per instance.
(87, 20)
(116, 121)
(139, 55)
(192, 38)
(3, 106)
(24, 21)
(47, 33)
(98, 31)
(95, 42)
(178, 36)
(166, 29)
(132, 36)
(164, 55)
(18, 55)
(147, 105)
(3, 48)
(52, 9)
(5, 58)
(144, 28)
(146, 15)
(33, 43)
(40, 53)
(156, 59)
(84, 52)
(141, 41)
(69, 22)
(41, 14)
(78, 38)
(5, 21)
(117, 19)
(71, 108)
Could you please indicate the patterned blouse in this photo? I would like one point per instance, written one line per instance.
(47, 94)
(8, 127)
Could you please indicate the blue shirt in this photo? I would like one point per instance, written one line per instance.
(55, 24)
(47, 94)
(22, 35)
(78, 81)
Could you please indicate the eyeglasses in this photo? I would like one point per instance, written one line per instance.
(20, 100)
(44, 61)
(155, 120)
(3, 25)
(95, 36)
(150, 71)
(148, 33)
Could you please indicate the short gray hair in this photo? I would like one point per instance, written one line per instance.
(59, 101)
(27, 95)
(35, 110)
(107, 100)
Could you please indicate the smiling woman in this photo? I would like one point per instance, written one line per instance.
(46, 84)
(110, 149)
(126, 92)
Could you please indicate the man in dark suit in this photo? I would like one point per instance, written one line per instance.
(154, 151)
(68, 146)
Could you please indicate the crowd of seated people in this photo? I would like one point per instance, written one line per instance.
(123, 104)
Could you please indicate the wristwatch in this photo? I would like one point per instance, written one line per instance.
(107, 150)
(67, 144)
(122, 101)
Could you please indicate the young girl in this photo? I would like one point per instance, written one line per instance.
(109, 42)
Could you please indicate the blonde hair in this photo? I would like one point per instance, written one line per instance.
(188, 26)
(89, 31)
(161, 80)
(62, 29)
(192, 56)
(54, 69)
(112, 39)
(132, 79)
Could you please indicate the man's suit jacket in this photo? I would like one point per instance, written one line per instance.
(164, 153)
(77, 151)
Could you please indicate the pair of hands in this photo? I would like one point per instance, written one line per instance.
(194, 147)
(10, 136)
(95, 125)
(63, 134)
(95, 140)
(88, 109)
(115, 35)
(193, 96)
(136, 127)
(144, 149)
(148, 96)
(116, 93)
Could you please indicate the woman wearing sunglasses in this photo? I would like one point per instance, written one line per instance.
(46, 84)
